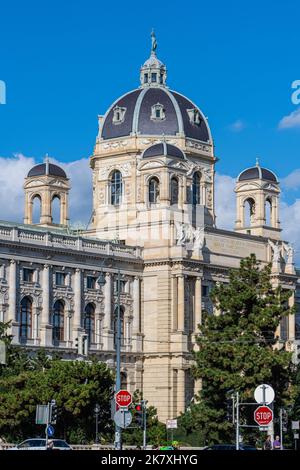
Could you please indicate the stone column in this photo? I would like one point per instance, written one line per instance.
(12, 291)
(46, 327)
(181, 302)
(198, 304)
(180, 391)
(77, 299)
(174, 305)
(136, 305)
(46, 295)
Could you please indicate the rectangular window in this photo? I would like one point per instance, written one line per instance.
(60, 279)
(205, 291)
(145, 78)
(91, 282)
(27, 275)
(153, 77)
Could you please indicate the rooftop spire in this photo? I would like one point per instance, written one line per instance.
(153, 42)
(153, 72)
(257, 161)
(46, 160)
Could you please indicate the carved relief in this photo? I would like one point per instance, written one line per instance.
(125, 169)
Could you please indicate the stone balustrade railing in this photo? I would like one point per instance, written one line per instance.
(60, 240)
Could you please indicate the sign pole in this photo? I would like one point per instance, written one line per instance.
(47, 424)
(145, 424)
(118, 429)
(281, 433)
(237, 427)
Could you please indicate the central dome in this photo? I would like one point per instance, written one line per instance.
(153, 109)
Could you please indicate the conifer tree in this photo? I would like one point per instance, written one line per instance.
(239, 349)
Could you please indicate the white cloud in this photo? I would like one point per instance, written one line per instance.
(237, 126)
(225, 201)
(291, 121)
(292, 181)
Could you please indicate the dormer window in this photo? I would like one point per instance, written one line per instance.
(158, 112)
(118, 115)
(195, 116)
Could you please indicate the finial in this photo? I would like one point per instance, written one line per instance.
(153, 42)
(257, 161)
(47, 163)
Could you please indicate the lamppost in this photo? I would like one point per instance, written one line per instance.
(101, 281)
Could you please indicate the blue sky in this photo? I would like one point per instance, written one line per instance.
(65, 62)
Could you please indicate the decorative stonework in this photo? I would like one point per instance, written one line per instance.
(114, 145)
(198, 146)
(105, 171)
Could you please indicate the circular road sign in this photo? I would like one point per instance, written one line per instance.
(123, 418)
(123, 398)
(263, 415)
(50, 430)
(264, 394)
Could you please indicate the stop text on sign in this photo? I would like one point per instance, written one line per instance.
(123, 398)
(263, 415)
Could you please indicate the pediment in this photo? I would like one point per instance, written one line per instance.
(152, 164)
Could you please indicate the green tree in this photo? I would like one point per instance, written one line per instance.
(156, 431)
(238, 349)
(75, 385)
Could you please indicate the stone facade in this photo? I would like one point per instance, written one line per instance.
(153, 198)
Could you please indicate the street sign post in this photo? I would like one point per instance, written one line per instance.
(123, 418)
(42, 414)
(263, 415)
(50, 430)
(264, 394)
(171, 423)
(123, 398)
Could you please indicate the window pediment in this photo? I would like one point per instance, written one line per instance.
(118, 115)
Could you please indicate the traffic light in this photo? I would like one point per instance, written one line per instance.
(139, 415)
(53, 412)
(82, 344)
(229, 409)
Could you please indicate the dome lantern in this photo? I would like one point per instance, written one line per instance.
(153, 72)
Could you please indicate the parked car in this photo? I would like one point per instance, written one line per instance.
(230, 447)
(40, 444)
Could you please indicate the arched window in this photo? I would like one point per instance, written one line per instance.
(36, 209)
(116, 188)
(55, 210)
(26, 319)
(116, 325)
(153, 190)
(89, 322)
(196, 188)
(174, 191)
(58, 321)
(268, 212)
(249, 212)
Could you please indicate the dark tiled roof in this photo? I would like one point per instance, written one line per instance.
(137, 118)
(165, 149)
(256, 172)
(40, 170)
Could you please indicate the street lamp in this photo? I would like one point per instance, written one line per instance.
(101, 281)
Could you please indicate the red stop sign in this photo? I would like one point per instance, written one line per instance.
(263, 415)
(123, 398)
